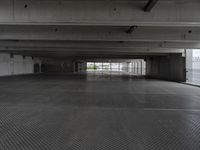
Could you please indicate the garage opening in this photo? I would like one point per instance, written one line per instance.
(193, 66)
(43, 68)
(36, 68)
(132, 67)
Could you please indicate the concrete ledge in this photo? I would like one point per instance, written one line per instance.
(192, 84)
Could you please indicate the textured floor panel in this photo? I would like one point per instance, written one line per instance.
(65, 112)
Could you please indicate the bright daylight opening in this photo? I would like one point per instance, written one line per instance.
(133, 67)
(193, 66)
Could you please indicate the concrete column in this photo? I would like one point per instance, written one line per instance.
(135, 67)
(141, 66)
(74, 65)
(138, 65)
(11, 66)
(132, 66)
(78, 67)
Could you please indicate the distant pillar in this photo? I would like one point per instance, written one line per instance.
(132, 66)
(141, 67)
(135, 67)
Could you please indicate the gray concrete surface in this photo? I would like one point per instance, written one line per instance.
(171, 68)
(94, 112)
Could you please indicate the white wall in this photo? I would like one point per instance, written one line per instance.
(28, 65)
(5, 64)
(16, 65)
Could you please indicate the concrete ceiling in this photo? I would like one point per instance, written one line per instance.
(98, 28)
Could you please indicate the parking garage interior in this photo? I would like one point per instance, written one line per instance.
(99, 75)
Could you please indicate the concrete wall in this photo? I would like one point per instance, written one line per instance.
(16, 64)
(166, 67)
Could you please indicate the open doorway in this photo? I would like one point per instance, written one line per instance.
(36, 68)
(193, 66)
(131, 67)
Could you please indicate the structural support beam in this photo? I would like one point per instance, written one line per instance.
(98, 44)
(106, 13)
(94, 33)
(90, 50)
(149, 6)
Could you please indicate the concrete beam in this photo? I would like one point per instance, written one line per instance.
(99, 44)
(92, 50)
(107, 13)
(92, 33)
(149, 6)
(84, 56)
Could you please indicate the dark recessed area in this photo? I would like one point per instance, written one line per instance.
(25, 6)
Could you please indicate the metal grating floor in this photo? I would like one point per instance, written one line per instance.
(65, 112)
